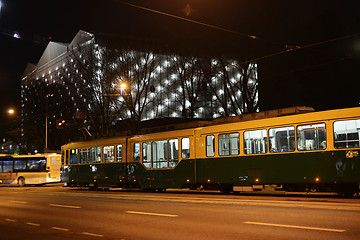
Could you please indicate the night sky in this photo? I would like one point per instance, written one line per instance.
(324, 76)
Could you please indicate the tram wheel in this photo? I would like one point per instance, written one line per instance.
(347, 190)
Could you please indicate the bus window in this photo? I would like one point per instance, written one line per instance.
(19, 165)
(74, 156)
(146, 154)
(136, 151)
(282, 139)
(185, 148)
(255, 141)
(347, 134)
(119, 153)
(8, 166)
(95, 155)
(84, 155)
(210, 145)
(108, 154)
(173, 152)
(159, 154)
(1, 170)
(229, 144)
(311, 137)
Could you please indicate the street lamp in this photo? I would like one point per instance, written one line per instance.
(123, 87)
(11, 111)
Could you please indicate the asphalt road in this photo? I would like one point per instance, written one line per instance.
(61, 213)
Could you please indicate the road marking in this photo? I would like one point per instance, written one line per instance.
(14, 201)
(10, 220)
(61, 229)
(63, 206)
(152, 214)
(92, 234)
(294, 226)
(33, 224)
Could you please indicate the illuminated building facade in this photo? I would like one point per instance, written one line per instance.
(163, 84)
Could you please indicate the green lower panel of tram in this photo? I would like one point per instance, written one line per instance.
(336, 167)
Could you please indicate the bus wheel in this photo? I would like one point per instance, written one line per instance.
(21, 182)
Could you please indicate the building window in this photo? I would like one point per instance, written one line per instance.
(347, 134)
(282, 139)
(229, 144)
(255, 142)
(311, 137)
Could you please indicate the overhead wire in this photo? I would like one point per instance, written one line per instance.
(288, 48)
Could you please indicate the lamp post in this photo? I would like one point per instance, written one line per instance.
(46, 122)
(0, 11)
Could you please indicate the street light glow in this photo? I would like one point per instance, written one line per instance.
(11, 111)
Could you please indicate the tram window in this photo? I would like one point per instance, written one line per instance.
(311, 137)
(229, 144)
(84, 155)
(74, 156)
(173, 152)
(95, 154)
(119, 153)
(159, 154)
(136, 151)
(62, 157)
(108, 154)
(210, 145)
(1, 170)
(282, 139)
(147, 154)
(347, 134)
(8, 166)
(185, 148)
(255, 141)
(67, 157)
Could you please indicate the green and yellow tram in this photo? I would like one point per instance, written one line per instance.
(314, 151)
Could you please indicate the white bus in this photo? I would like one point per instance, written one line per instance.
(30, 169)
